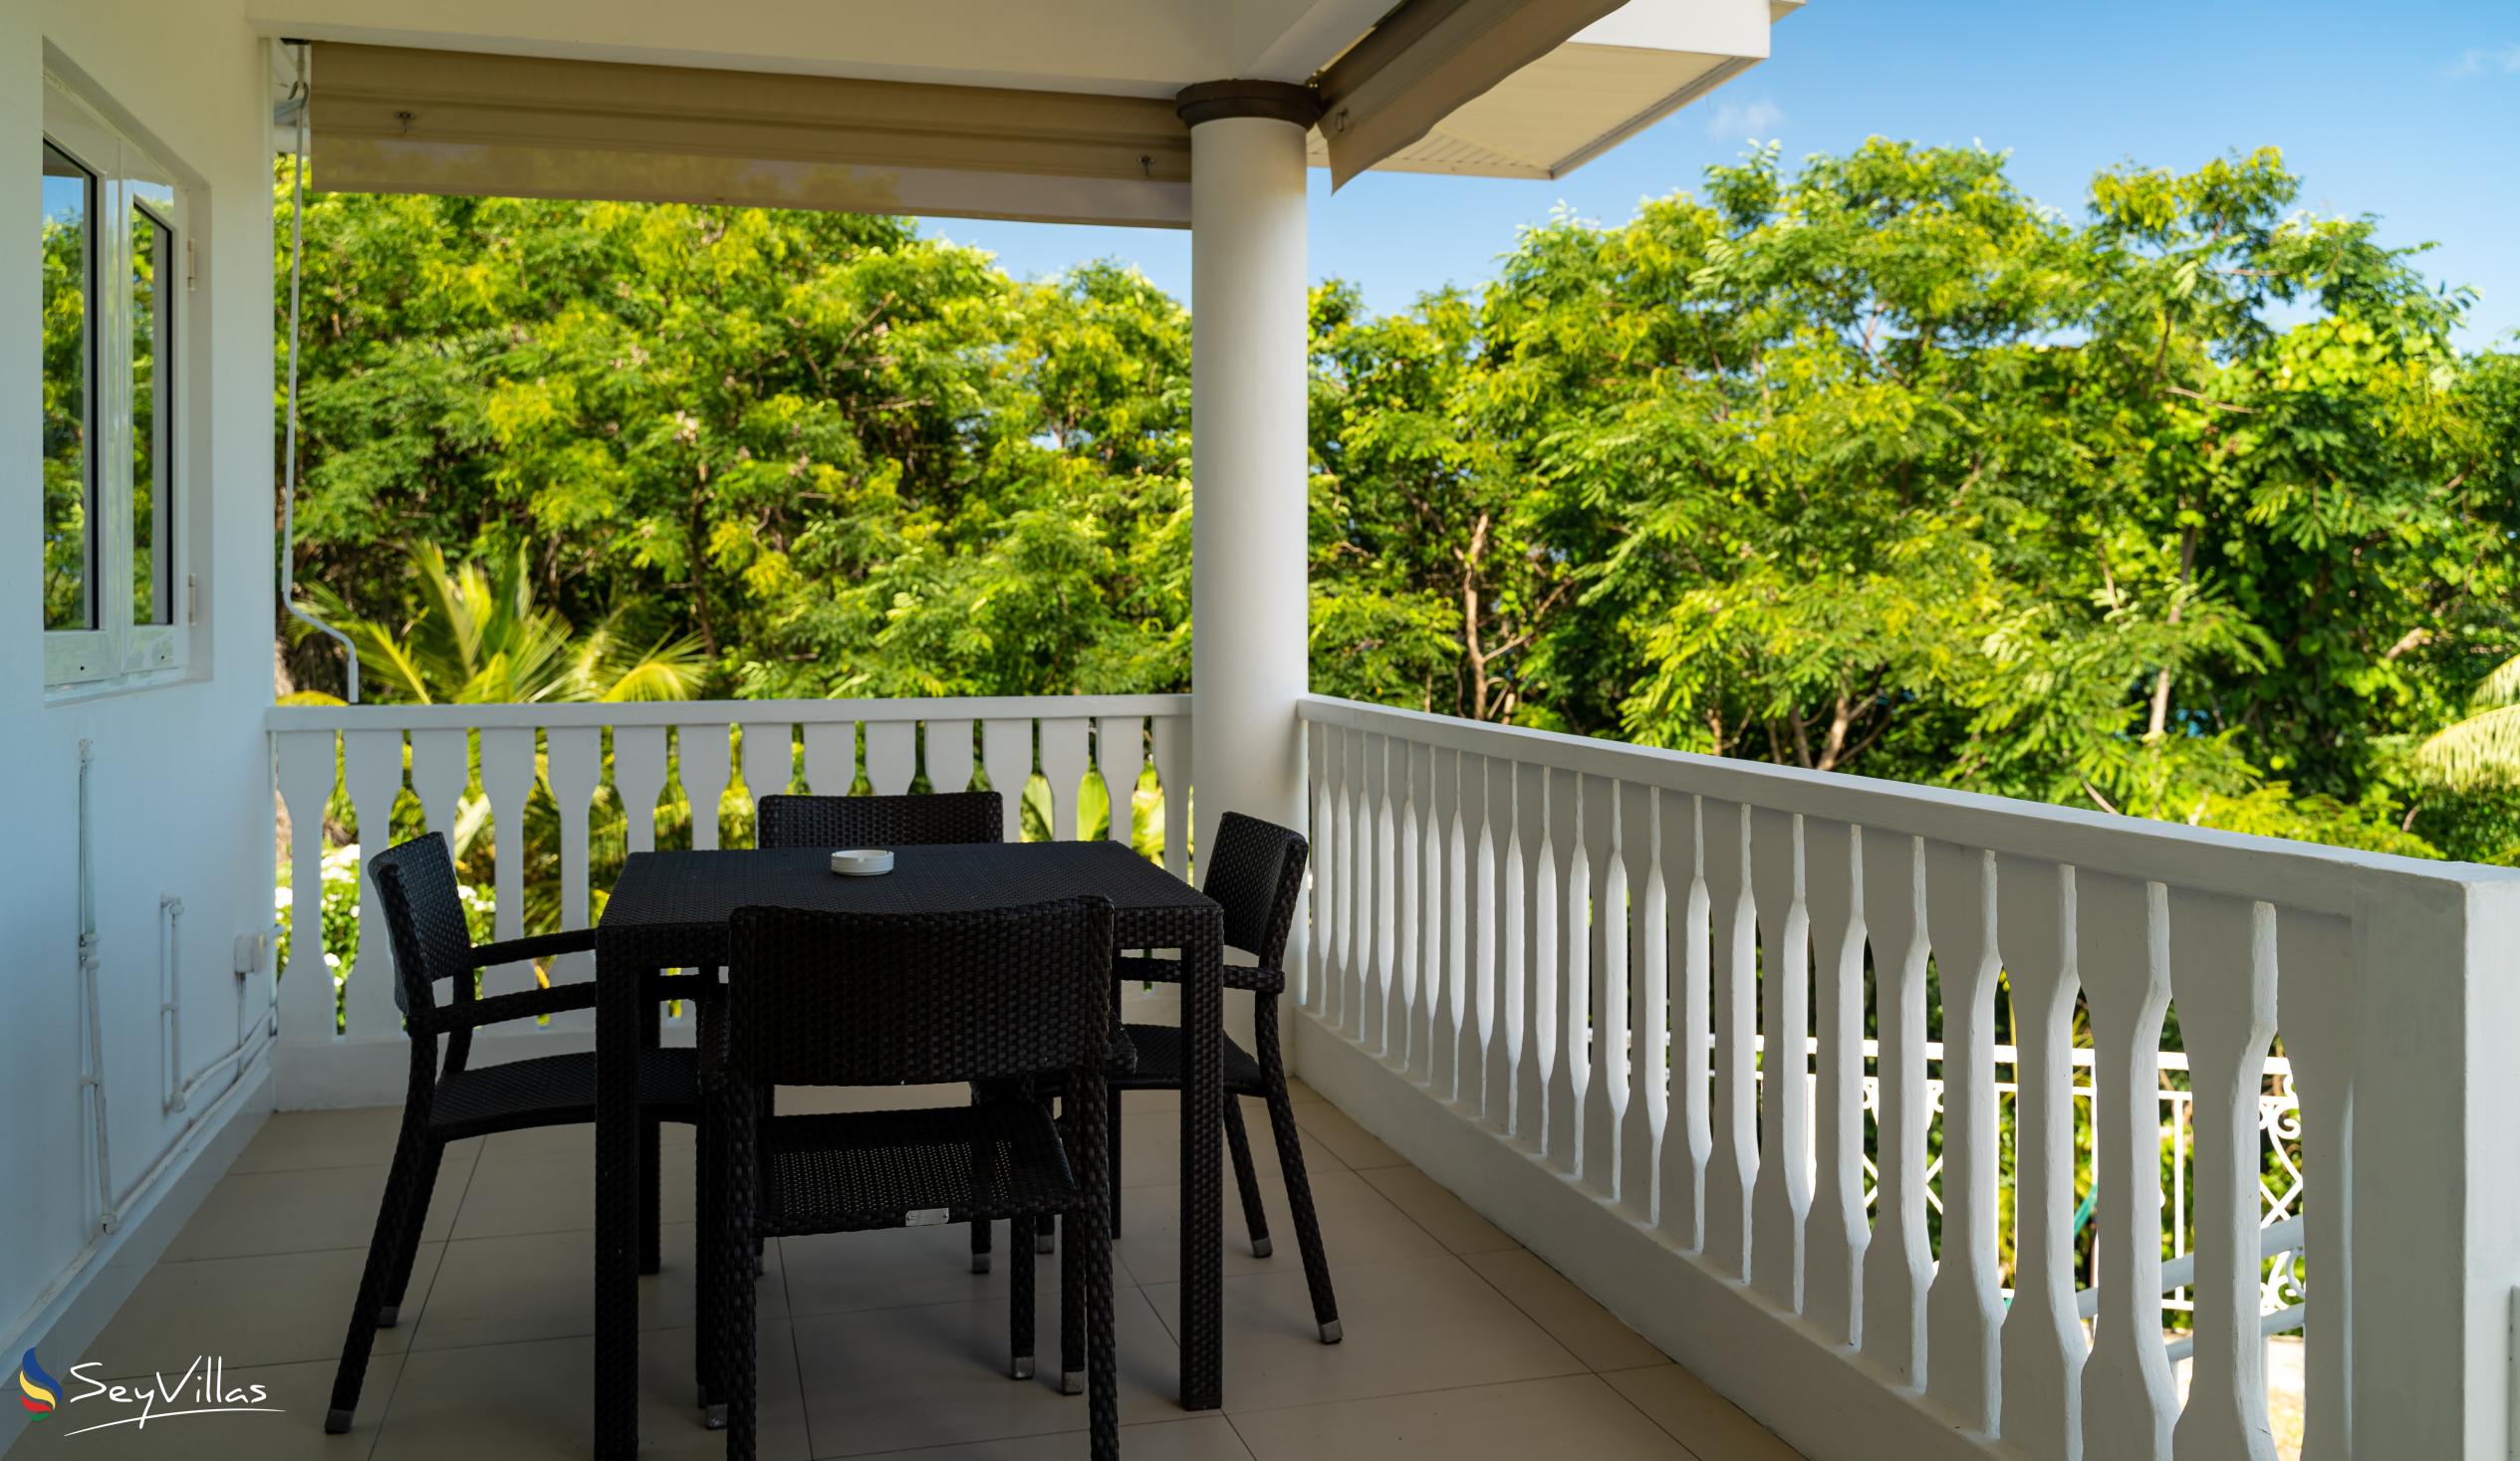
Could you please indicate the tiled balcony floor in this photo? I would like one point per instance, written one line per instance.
(1460, 1344)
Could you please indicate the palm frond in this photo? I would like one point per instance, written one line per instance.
(2502, 687)
(2479, 752)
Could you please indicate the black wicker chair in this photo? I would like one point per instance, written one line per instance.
(424, 918)
(880, 821)
(1255, 872)
(986, 996)
(937, 818)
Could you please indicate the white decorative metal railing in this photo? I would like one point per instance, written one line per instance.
(526, 782)
(1546, 968)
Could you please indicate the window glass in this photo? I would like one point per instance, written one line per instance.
(152, 274)
(68, 261)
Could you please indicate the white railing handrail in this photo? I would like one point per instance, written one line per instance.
(2270, 870)
(579, 713)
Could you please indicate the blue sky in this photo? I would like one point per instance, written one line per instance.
(2409, 111)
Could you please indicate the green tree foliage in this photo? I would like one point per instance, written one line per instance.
(2186, 507)
(2187, 510)
(843, 458)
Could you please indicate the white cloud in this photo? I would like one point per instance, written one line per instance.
(1737, 119)
(2477, 60)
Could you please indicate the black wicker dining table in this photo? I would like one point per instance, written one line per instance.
(670, 910)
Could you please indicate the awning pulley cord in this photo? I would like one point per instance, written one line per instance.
(289, 463)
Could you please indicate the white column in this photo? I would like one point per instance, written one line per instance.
(1247, 467)
(1248, 461)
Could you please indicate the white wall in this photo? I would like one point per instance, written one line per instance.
(183, 801)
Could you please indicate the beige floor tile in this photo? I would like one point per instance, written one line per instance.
(541, 1285)
(523, 1191)
(1207, 1438)
(1453, 1222)
(267, 1309)
(1569, 1314)
(1350, 1143)
(1301, 1094)
(303, 1210)
(1150, 1146)
(359, 1136)
(1569, 1416)
(1705, 1423)
(903, 1378)
(900, 1267)
(1421, 1325)
(494, 1403)
(1359, 1226)
(301, 1393)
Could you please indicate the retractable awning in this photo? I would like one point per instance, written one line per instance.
(389, 118)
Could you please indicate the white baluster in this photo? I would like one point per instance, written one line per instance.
(1119, 752)
(1566, 912)
(639, 779)
(1965, 1304)
(1532, 946)
(707, 768)
(892, 759)
(1329, 761)
(1006, 751)
(1409, 789)
(1639, 851)
(949, 754)
(507, 779)
(2124, 956)
(1688, 1141)
(2315, 974)
(2222, 973)
(1837, 1230)
(372, 775)
(1355, 890)
(1500, 935)
(1600, 1041)
(438, 772)
(1442, 1024)
(1475, 884)
(1374, 894)
(2043, 1345)
(305, 772)
(1321, 804)
(1735, 984)
(1063, 760)
(770, 758)
(1898, 1262)
(1172, 777)
(572, 765)
(831, 757)
(1782, 1197)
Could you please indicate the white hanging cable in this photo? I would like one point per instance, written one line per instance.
(289, 464)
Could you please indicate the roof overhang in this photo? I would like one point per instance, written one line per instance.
(1615, 77)
(975, 108)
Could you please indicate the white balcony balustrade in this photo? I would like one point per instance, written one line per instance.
(466, 765)
(1557, 974)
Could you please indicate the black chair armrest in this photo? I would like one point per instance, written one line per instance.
(472, 1014)
(1259, 979)
(534, 946)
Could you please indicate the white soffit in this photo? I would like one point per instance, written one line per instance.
(1617, 76)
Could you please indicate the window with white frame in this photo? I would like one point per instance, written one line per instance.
(115, 265)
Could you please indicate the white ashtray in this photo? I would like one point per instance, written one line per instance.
(862, 863)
